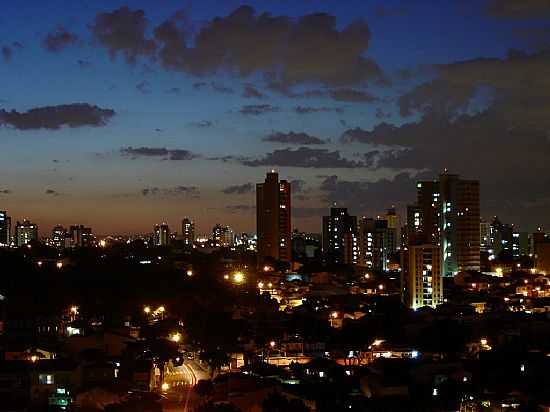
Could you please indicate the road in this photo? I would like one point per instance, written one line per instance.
(180, 397)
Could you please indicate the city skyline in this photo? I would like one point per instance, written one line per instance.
(120, 116)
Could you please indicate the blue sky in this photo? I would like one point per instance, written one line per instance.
(93, 183)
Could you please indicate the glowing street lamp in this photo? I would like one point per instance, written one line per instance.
(59, 265)
(272, 344)
(165, 386)
(74, 310)
(147, 309)
(238, 277)
(189, 272)
(176, 337)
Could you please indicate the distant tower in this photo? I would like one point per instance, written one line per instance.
(162, 235)
(273, 218)
(340, 236)
(421, 283)
(5, 229)
(188, 233)
(25, 232)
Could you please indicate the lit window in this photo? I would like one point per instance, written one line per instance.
(44, 379)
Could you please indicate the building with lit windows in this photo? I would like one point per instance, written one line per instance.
(273, 219)
(449, 216)
(60, 238)
(222, 236)
(25, 232)
(376, 242)
(340, 239)
(81, 236)
(188, 232)
(421, 282)
(161, 235)
(5, 229)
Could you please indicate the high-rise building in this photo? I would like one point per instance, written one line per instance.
(25, 232)
(161, 235)
(449, 217)
(273, 218)
(81, 236)
(421, 283)
(5, 229)
(394, 229)
(59, 237)
(188, 233)
(222, 236)
(501, 238)
(484, 236)
(340, 240)
(376, 242)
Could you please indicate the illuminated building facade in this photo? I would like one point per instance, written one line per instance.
(340, 239)
(421, 282)
(273, 218)
(161, 235)
(188, 232)
(449, 216)
(25, 232)
(376, 242)
(5, 229)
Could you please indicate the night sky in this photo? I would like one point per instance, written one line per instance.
(120, 115)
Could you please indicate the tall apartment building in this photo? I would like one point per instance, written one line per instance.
(376, 242)
(161, 235)
(273, 218)
(25, 232)
(5, 228)
(421, 280)
(340, 240)
(81, 236)
(188, 232)
(449, 216)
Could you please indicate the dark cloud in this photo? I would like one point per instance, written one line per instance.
(55, 117)
(174, 90)
(293, 138)
(297, 186)
(252, 92)
(202, 124)
(308, 212)
(386, 11)
(83, 64)
(308, 49)
(9, 50)
(190, 191)
(158, 152)
(518, 9)
(123, 31)
(5, 192)
(309, 110)
(258, 109)
(216, 87)
(52, 192)
(303, 157)
(381, 114)
(7, 53)
(239, 189)
(364, 197)
(352, 95)
(241, 208)
(516, 86)
(59, 39)
(144, 87)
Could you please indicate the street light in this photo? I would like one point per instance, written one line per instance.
(165, 386)
(238, 277)
(189, 272)
(147, 309)
(176, 337)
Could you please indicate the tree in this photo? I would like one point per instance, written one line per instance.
(204, 388)
(215, 359)
(276, 402)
